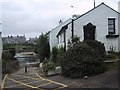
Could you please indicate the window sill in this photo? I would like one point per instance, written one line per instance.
(112, 36)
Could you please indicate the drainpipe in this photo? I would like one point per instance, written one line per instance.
(64, 40)
(72, 29)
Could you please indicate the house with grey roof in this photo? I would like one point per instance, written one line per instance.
(102, 23)
(14, 39)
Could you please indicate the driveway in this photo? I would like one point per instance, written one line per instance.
(108, 79)
(29, 81)
(35, 80)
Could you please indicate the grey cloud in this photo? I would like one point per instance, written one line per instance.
(32, 17)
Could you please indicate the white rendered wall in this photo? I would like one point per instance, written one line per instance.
(119, 24)
(68, 37)
(99, 18)
(53, 33)
(68, 34)
(119, 32)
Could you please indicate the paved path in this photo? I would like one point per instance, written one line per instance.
(29, 81)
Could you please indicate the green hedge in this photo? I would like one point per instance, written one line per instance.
(86, 58)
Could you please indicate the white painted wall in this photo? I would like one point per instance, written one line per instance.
(119, 32)
(61, 40)
(68, 36)
(119, 24)
(99, 18)
(53, 33)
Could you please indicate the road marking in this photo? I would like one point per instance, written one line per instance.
(52, 81)
(3, 82)
(19, 80)
(44, 84)
(27, 77)
(20, 84)
(31, 86)
(40, 76)
(23, 83)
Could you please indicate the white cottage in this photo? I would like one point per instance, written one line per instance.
(102, 23)
(53, 40)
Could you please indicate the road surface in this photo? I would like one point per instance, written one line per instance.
(30, 81)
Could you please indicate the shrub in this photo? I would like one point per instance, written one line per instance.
(54, 54)
(111, 56)
(8, 63)
(6, 55)
(50, 65)
(59, 54)
(73, 41)
(119, 55)
(83, 59)
(96, 45)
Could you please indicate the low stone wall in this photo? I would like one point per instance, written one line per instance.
(54, 72)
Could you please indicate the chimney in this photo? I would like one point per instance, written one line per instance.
(119, 6)
(60, 22)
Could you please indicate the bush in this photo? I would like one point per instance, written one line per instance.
(6, 55)
(59, 54)
(50, 65)
(54, 54)
(8, 63)
(96, 45)
(83, 59)
(119, 55)
(111, 56)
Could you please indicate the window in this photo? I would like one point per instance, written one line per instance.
(58, 39)
(111, 25)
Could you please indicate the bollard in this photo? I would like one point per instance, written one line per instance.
(25, 69)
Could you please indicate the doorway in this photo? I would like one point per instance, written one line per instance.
(89, 31)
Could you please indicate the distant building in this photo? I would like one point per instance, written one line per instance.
(32, 40)
(14, 39)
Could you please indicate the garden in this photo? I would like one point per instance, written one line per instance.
(87, 58)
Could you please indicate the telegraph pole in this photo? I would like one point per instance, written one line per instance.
(72, 27)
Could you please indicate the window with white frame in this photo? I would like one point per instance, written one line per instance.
(111, 25)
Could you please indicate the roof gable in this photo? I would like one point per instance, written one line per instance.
(95, 8)
(87, 13)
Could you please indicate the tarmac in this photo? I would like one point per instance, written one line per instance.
(30, 80)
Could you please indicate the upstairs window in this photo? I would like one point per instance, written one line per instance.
(111, 25)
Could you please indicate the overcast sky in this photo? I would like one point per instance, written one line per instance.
(32, 17)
